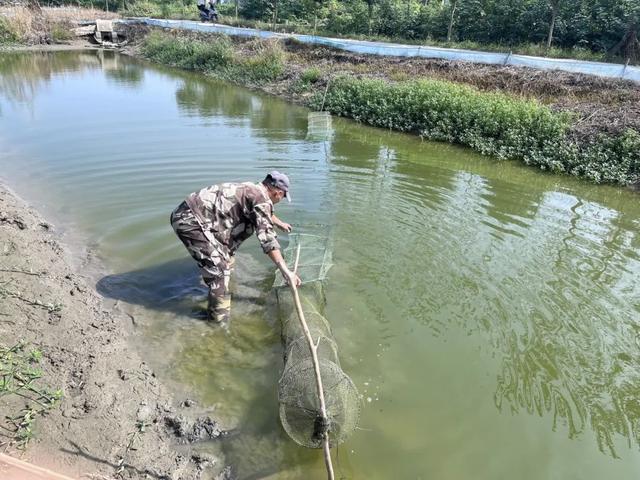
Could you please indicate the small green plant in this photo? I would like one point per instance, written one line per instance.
(60, 33)
(311, 75)
(140, 429)
(35, 356)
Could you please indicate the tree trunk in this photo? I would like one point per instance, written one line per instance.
(554, 14)
(451, 20)
(275, 13)
(236, 10)
(370, 5)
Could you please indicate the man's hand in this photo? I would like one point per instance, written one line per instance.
(292, 278)
(285, 227)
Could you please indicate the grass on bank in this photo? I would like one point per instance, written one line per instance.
(218, 57)
(7, 33)
(20, 385)
(20, 25)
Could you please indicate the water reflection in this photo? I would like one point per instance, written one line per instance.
(547, 277)
(202, 97)
(23, 76)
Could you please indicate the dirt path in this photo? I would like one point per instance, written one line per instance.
(115, 419)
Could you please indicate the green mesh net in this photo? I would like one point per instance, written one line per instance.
(300, 412)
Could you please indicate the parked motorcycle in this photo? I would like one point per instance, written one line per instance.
(208, 14)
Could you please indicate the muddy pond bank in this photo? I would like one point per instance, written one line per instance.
(113, 417)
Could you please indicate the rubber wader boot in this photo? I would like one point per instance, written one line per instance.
(219, 308)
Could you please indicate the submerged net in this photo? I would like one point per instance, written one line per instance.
(300, 412)
(319, 126)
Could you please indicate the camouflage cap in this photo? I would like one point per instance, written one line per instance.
(278, 180)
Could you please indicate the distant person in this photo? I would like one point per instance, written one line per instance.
(213, 222)
(207, 10)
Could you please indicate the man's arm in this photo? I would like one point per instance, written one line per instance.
(289, 276)
(285, 227)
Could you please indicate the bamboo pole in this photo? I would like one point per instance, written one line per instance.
(316, 367)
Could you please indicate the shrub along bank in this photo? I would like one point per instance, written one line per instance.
(496, 124)
(490, 123)
(264, 63)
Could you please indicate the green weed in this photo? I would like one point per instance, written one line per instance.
(311, 75)
(20, 379)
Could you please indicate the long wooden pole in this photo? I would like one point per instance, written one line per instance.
(316, 367)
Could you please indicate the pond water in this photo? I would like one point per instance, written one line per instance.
(489, 314)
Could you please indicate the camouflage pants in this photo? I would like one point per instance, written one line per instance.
(214, 260)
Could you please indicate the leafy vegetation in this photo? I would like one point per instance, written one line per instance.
(61, 32)
(579, 28)
(490, 123)
(311, 75)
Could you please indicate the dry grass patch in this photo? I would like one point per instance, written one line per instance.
(76, 14)
(28, 26)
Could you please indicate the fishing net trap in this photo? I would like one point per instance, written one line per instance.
(299, 402)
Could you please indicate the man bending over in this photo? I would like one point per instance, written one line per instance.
(213, 222)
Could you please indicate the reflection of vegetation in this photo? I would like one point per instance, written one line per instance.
(547, 278)
(574, 351)
(127, 74)
(269, 118)
(205, 98)
(23, 74)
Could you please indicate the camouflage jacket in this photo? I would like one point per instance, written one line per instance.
(233, 211)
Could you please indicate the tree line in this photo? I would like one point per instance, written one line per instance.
(603, 26)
